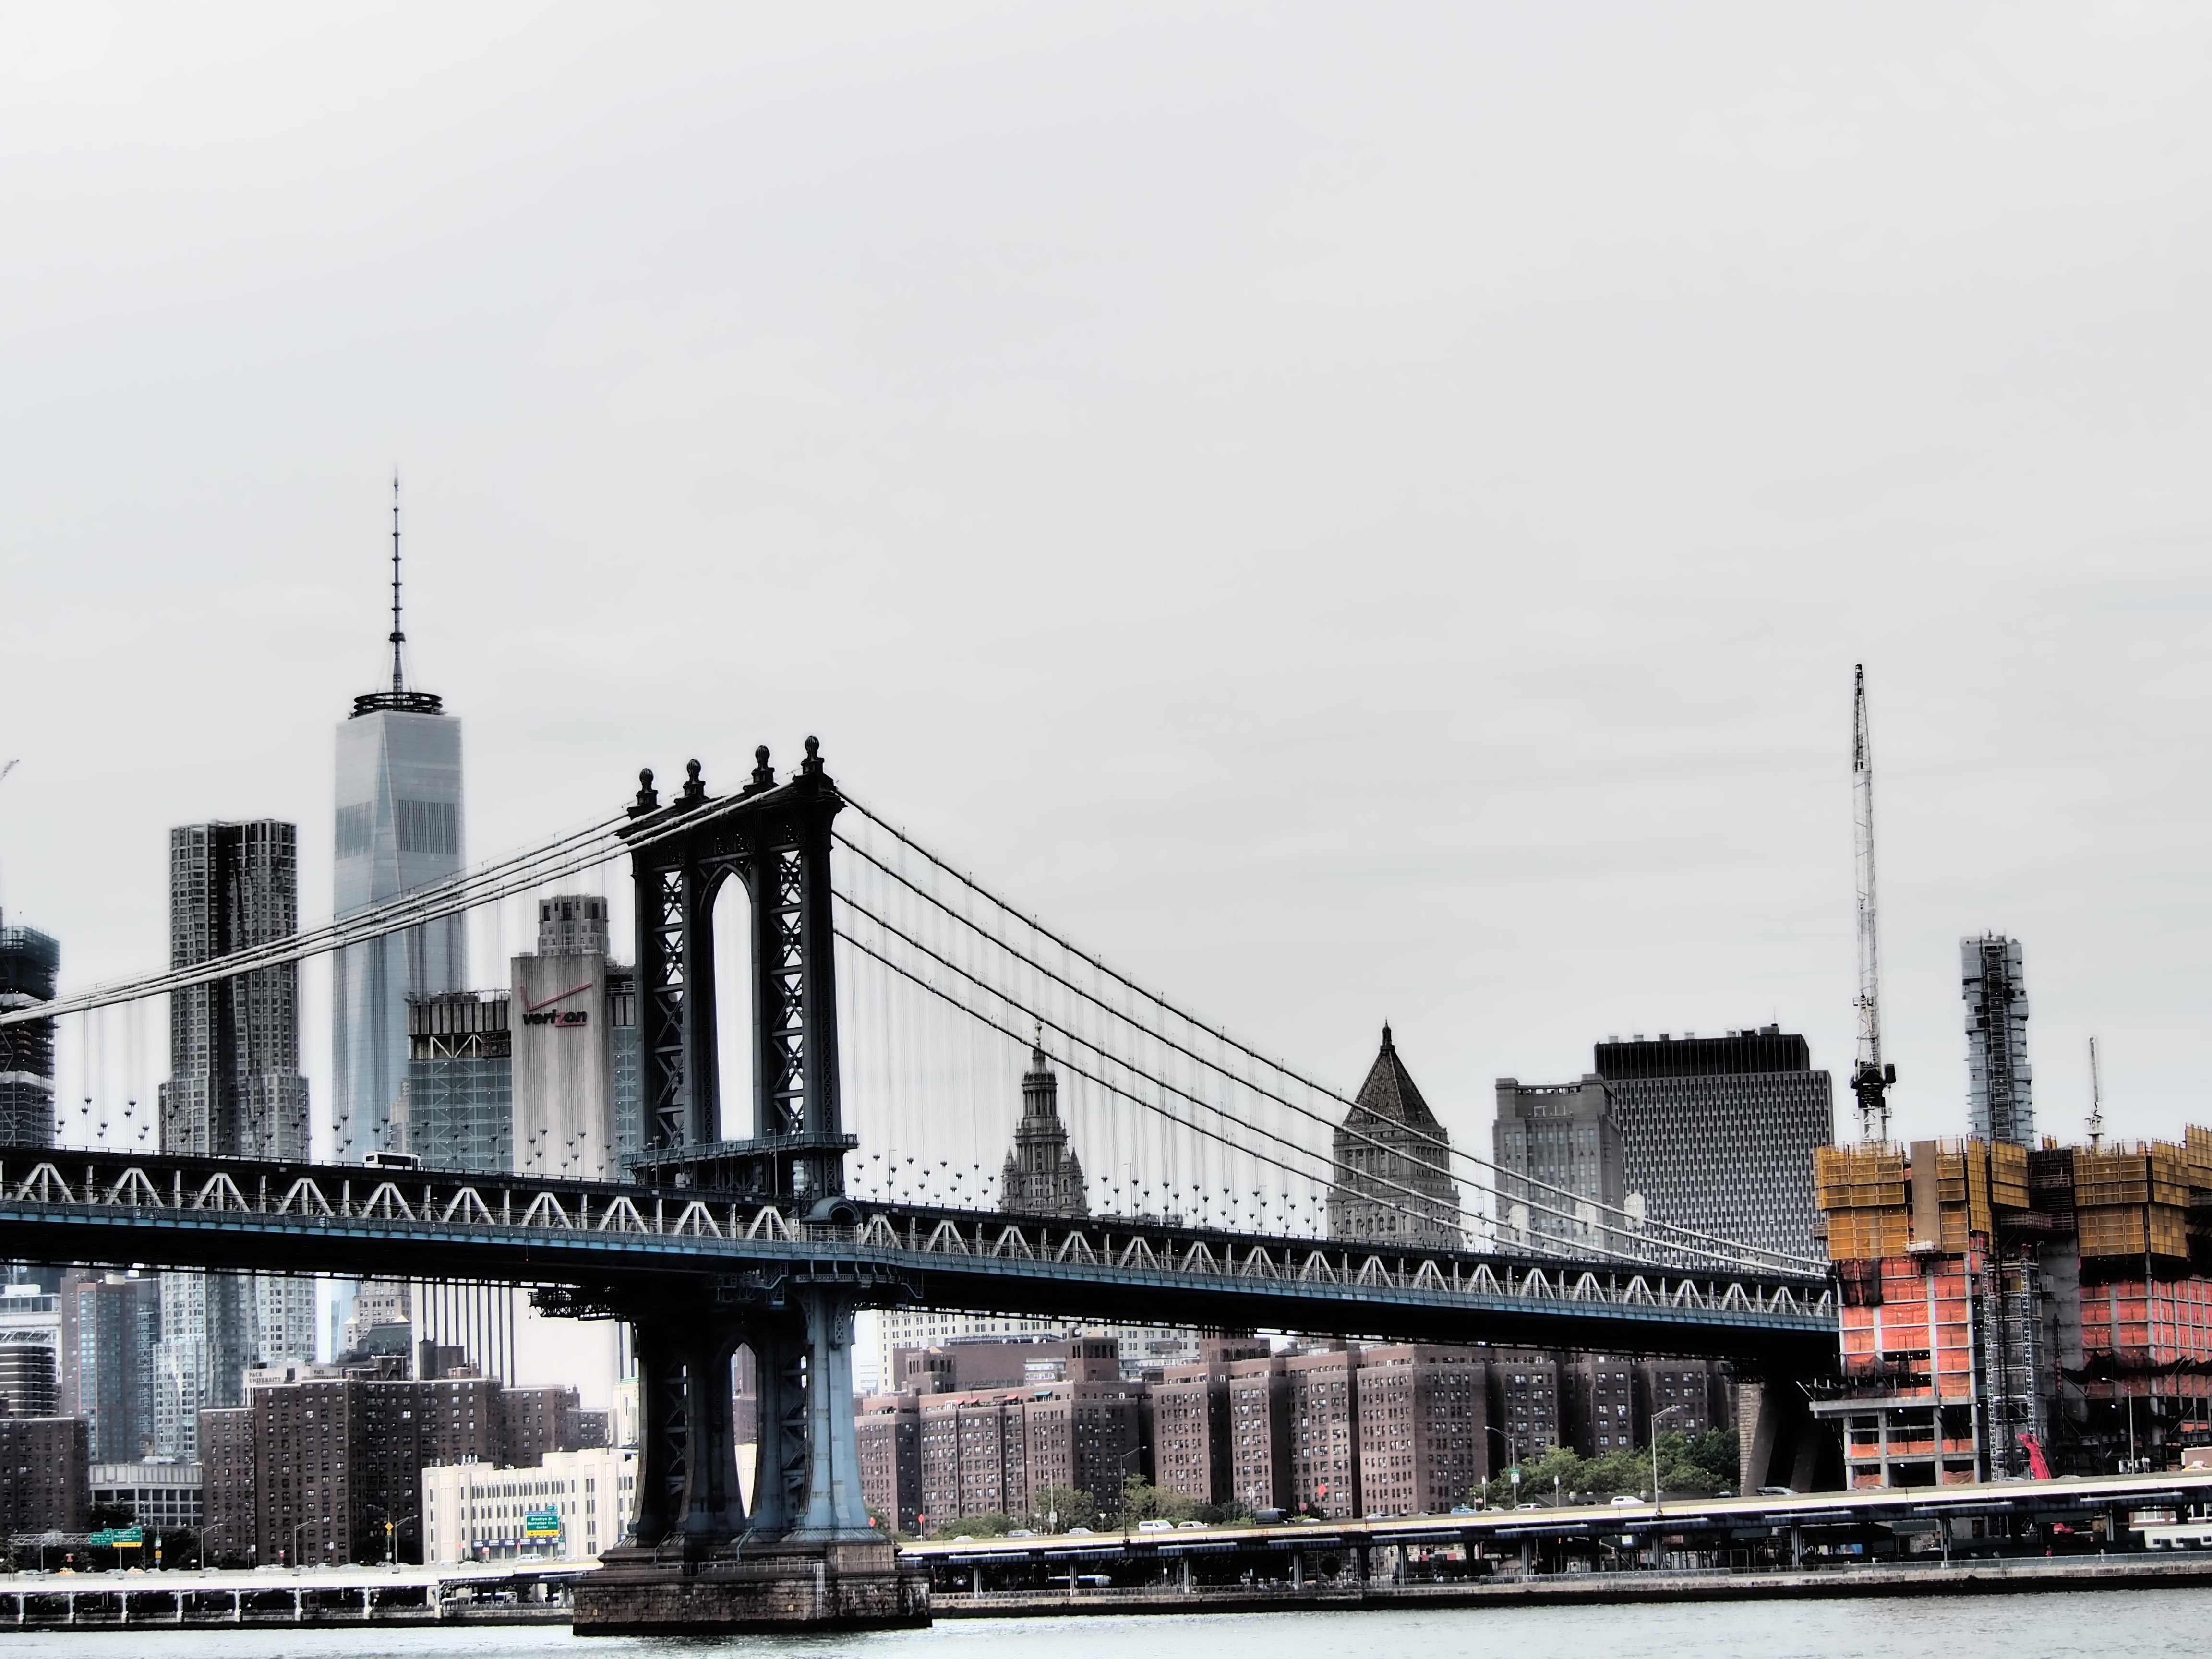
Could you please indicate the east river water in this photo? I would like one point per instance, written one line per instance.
(2138, 1624)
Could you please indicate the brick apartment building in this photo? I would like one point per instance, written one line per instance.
(1423, 1411)
(45, 1475)
(1609, 1401)
(322, 1458)
(889, 1429)
(1192, 1437)
(1324, 1432)
(1598, 1406)
(1071, 1421)
(1259, 1432)
(1341, 1431)
(974, 1457)
(1524, 1405)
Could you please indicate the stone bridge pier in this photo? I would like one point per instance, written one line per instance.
(801, 1554)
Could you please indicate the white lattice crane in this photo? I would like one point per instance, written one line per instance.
(1870, 1077)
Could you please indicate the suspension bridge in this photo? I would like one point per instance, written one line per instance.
(859, 1179)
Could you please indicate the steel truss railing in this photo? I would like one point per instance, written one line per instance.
(503, 1210)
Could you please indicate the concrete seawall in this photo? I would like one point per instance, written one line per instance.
(2014, 1577)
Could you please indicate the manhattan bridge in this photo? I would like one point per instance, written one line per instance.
(858, 1179)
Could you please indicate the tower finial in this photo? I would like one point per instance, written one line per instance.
(399, 638)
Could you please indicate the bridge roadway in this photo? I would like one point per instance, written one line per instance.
(1506, 1531)
(595, 1247)
(346, 1594)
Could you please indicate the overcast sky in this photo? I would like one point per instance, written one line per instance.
(1350, 510)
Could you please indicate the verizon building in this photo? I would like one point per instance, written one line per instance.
(541, 1079)
(562, 1012)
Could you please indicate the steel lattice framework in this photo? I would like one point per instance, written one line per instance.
(775, 840)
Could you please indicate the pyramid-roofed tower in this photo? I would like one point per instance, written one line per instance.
(1392, 1177)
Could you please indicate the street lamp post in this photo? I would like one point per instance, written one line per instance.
(297, 1530)
(1512, 1457)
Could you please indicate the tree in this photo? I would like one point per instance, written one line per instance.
(1714, 1453)
(1056, 1509)
(179, 1549)
(1143, 1501)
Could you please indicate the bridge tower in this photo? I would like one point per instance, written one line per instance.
(810, 1556)
(773, 839)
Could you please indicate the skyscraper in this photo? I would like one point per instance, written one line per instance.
(112, 1321)
(1999, 1106)
(1391, 1180)
(398, 828)
(30, 1350)
(1711, 1134)
(564, 1081)
(457, 1111)
(1558, 1152)
(235, 1086)
(234, 1090)
(542, 1078)
(29, 961)
(1716, 1133)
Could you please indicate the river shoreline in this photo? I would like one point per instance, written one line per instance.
(2032, 1575)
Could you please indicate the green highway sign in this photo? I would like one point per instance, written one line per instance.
(541, 1523)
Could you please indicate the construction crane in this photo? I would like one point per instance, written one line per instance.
(1870, 1079)
(2096, 1102)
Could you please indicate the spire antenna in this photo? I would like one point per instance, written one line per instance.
(399, 638)
(399, 699)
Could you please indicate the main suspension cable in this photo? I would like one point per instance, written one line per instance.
(1525, 1186)
(1648, 1244)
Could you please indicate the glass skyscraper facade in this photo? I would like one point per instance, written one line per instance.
(29, 960)
(234, 1090)
(457, 1111)
(2000, 1097)
(398, 829)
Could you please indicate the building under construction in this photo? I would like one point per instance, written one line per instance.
(2008, 1309)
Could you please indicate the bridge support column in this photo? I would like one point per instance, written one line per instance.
(836, 1506)
(1780, 1442)
(809, 1558)
(687, 1478)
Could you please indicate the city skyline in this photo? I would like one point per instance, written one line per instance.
(1603, 529)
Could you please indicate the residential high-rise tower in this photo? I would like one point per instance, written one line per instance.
(29, 961)
(234, 1090)
(1999, 1104)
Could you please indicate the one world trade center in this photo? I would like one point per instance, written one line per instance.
(399, 828)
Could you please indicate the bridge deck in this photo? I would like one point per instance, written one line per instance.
(597, 1245)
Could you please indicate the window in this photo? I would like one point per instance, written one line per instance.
(431, 827)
